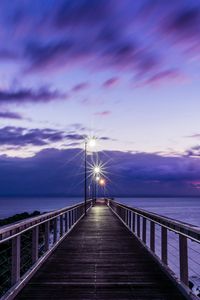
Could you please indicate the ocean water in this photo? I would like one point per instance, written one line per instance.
(11, 206)
(183, 209)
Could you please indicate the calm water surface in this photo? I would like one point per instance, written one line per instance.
(183, 209)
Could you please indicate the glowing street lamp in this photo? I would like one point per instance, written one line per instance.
(97, 170)
(96, 173)
(91, 142)
(97, 178)
(102, 182)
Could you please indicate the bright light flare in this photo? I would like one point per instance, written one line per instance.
(97, 178)
(97, 170)
(91, 141)
(102, 182)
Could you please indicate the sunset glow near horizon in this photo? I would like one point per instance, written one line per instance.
(124, 71)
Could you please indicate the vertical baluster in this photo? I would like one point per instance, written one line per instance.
(46, 236)
(66, 228)
(15, 271)
(69, 219)
(61, 225)
(133, 222)
(35, 235)
(130, 219)
(144, 229)
(54, 230)
(183, 256)
(138, 225)
(152, 236)
(164, 245)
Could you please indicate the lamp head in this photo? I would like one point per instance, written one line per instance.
(97, 178)
(91, 142)
(97, 169)
(102, 182)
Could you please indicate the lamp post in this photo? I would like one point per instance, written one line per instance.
(96, 173)
(102, 183)
(91, 142)
(97, 178)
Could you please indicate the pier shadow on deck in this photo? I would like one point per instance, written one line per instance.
(100, 259)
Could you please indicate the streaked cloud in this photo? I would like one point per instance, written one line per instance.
(54, 171)
(10, 115)
(103, 113)
(22, 95)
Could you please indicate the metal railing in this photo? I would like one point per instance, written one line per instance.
(174, 245)
(24, 246)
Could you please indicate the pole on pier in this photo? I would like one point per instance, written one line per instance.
(85, 185)
(88, 142)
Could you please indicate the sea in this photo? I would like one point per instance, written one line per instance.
(185, 209)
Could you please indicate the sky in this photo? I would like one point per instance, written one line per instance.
(124, 71)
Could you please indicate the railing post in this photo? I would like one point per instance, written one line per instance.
(152, 236)
(61, 225)
(46, 236)
(54, 230)
(133, 222)
(35, 235)
(72, 216)
(164, 245)
(15, 272)
(69, 219)
(130, 219)
(66, 221)
(183, 256)
(138, 225)
(144, 229)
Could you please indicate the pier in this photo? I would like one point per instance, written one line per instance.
(108, 254)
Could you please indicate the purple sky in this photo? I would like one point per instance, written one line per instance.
(125, 71)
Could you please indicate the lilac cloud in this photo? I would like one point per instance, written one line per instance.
(185, 22)
(82, 12)
(193, 151)
(98, 40)
(130, 174)
(20, 136)
(104, 113)
(111, 82)
(10, 115)
(171, 75)
(99, 35)
(80, 86)
(30, 95)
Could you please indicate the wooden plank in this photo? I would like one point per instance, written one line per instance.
(100, 259)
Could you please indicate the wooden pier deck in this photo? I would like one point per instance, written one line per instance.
(100, 259)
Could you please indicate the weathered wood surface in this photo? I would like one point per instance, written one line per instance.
(100, 259)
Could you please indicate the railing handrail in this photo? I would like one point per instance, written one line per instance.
(7, 232)
(190, 231)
